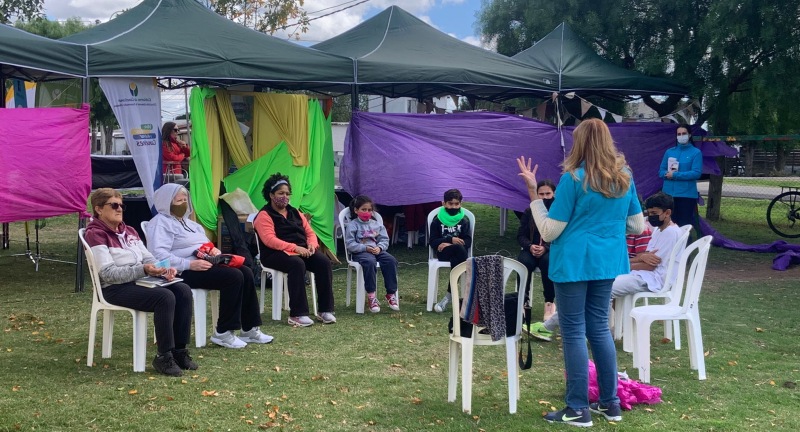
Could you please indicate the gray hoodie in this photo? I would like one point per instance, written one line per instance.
(360, 234)
(171, 237)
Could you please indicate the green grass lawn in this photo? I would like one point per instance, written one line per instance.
(763, 181)
(386, 371)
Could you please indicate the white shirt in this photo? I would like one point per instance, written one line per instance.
(661, 241)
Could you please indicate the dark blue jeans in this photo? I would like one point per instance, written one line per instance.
(583, 314)
(369, 262)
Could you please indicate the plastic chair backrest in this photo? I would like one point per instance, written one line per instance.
(693, 278)
(672, 270)
(433, 214)
(144, 225)
(93, 270)
(509, 266)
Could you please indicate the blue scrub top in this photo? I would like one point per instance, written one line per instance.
(592, 246)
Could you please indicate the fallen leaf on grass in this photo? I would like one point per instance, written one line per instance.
(771, 382)
(684, 417)
(210, 393)
(319, 416)
(268, 425)
(410, 325)
(16, 388)
(732, 363)
(319, 378)
(133, 392)
(333, 402)
(170, 398)
(416, 401)
(372, 423)
(249, 422)
(665, 340)
(277, 368)
(544, 402)
(759, 330)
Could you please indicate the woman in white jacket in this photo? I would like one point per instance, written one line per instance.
(172, 235)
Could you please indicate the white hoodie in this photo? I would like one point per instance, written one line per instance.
(171, 237)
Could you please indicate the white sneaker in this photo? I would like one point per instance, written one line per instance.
(254, 335)
(301, 321)
(327, 318)
(227, 340)
(442, 305)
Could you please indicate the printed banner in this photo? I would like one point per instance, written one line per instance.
(137, 105)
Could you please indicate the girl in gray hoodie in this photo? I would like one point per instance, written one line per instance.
(366, 239)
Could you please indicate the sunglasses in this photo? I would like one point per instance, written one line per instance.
(175, 130)
(115, 206)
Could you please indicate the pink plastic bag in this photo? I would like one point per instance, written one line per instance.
(630, 392)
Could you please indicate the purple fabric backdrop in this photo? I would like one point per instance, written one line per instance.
(45, 168)
(788, 253)
(401, 159)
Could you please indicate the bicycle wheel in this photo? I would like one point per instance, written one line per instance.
(783, 214)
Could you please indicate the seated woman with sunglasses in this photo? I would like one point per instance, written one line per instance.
(172, 235)
(121, 259)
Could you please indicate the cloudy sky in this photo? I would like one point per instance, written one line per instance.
(455, 17)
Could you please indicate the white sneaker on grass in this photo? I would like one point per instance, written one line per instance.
(327, 318)
(254, 335)
(227, 339)
(442, 305)
(300, 321)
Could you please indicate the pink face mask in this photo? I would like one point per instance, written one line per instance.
(364, 216)
(281, 201)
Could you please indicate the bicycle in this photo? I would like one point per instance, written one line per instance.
(783, 212)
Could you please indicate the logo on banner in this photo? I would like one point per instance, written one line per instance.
(144, 135)
(133, 89)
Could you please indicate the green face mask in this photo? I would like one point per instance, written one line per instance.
(179, 210)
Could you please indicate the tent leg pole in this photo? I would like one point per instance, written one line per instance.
(79, 259)
(354, 99)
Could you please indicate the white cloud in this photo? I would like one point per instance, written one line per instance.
(87, 10)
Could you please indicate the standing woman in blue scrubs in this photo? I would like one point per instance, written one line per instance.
(595, 207)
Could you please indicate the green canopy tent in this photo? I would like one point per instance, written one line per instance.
(579, 68)
(30, 57)
(397, 54)
(184, 43)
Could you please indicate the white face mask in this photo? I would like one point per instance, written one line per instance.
(683, 139)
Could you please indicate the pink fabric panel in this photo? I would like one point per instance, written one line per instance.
(45, 168)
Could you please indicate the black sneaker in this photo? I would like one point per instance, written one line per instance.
(166, 365)
(183, 359)
(612, 412)
(580, 418)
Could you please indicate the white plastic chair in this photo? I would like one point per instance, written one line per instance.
(280, 287)
(463, 346)
(199, 298)
(434, 264)
(351, 264)
(100, 304)
(622, 326)
(683, 305)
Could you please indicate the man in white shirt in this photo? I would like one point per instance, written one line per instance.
(648, 268)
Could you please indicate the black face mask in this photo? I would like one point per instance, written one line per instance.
(654, 221)
(548, 202)
(452, 211)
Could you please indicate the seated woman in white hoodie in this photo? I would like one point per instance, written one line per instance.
(172, 235)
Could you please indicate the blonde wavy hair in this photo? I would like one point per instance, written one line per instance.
(606, 170)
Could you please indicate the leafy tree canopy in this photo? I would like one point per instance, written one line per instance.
(720, 48)
(267, 16)
(24, 10)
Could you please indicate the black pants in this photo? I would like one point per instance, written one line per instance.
(456, 254)
(171, 306)
(685, 211)
(238, 301)
(543, 263)
(295, 267)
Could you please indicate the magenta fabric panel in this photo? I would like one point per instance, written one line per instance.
(45, 167)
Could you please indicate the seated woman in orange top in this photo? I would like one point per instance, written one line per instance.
(288, 244)
(173, 150)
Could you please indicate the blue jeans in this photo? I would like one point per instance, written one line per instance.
(368, 266)
(583, 314)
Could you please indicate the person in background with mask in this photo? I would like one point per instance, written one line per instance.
(680, 169)
(450, 237)
(288, 244)
(536, 252)
(172, 235)
(367, 240)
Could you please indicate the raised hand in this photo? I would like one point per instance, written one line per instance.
(529, 175)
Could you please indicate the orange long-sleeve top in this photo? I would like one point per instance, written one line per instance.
(265, 228)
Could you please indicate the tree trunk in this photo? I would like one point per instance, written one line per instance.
(780, 157)
(108, 138)
(748, 154)
(715, 181)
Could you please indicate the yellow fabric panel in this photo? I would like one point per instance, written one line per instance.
(281, 117)
(230, 130)
(219, 164)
